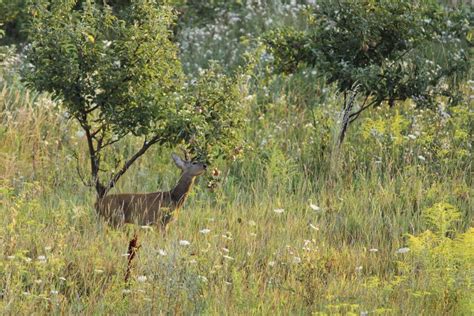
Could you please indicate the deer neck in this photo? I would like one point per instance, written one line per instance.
(181, 190)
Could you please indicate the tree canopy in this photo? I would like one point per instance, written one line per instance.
(119, 74)
(384, 51)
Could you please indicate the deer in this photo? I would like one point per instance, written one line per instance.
(155, 208)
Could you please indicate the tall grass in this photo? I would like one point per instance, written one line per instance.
(356, 233)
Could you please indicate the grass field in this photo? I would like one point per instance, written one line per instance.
(382, 225)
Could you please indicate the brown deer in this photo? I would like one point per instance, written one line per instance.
(156, 208)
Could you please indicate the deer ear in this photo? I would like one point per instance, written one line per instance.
(178, 161)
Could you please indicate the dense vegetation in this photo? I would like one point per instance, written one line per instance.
(288, 221)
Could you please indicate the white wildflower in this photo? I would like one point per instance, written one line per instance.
(54, 292)
(296, 260)
(126, 291)
(142, 278)
(271, 263)
(99, 271)
(278, 210)
(252, 223)
(42, 259)
(411, 136)
(358, 269)
(147, 227)
(205, 231)
(162, 252)
(10, 257)
(403, 250)
(314, 207)
(421, 158)
(373, 250)
(184, 243)
(228, 257)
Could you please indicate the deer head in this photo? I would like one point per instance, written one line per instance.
(191, 168)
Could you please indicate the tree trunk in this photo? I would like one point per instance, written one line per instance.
(348, 105)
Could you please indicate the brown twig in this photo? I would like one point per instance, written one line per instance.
(132, 251)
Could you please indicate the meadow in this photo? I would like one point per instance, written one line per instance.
(295, 225)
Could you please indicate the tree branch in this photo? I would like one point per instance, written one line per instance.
(146, 145)
(355, 115)
(78, 169)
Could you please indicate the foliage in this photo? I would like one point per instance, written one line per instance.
(448, 259)
(385, 51)
(367, 240)
(119, 76)
(13, 19)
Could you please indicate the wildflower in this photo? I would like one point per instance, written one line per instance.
(411, 136)
(271, 263)
(54, 292)
(403, 250)
(42, 259)
(146, 227)
(62, 278)
(358, 269)
(99, 271)
(27, 259)
(278, 210)
(184, 243)
(11, 257)
(162, 252)
(228, 257)
(48, 248)
(364, 313)
(421, 158)
(252, 223)
(205, 231)
(38, 281)
(142, 278)
(315, 207)
(296, 260)
(227, 283)
(373, 250)
(126, 291)
(192, 261)
(202, 278)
